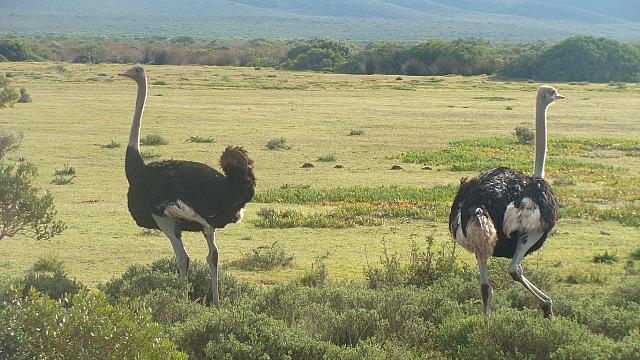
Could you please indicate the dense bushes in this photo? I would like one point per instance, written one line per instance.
(580, 58)
(18, 50)
(85, 326)
(317, 55)
(439, 319)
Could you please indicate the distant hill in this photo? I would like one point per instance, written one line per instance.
(579, 58)
(348, 19)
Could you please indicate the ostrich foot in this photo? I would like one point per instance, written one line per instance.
(546, 308)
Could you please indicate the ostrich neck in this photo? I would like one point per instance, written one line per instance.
(541, 137)
(134, 136)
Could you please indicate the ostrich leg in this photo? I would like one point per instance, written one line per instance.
(485, 290)
(212, 260)
(515, 270)
(169, 228)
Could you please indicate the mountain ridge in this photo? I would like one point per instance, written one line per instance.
(349, 19)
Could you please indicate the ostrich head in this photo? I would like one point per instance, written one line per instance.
(548, 94)
(136, 73)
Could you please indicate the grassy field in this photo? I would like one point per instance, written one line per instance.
(77, 109)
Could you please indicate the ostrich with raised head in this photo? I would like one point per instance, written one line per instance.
(505, 213)
(176, 196)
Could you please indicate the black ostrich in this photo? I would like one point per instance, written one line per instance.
(176, 196)
(505, 213)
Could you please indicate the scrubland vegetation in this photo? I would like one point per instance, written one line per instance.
(350, 263)
(581, 58)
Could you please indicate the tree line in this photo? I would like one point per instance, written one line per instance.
(580, 58)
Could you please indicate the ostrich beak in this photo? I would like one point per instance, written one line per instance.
(127, 73)
(557, 97)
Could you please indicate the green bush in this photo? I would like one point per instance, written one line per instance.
(265, 258)
(162, 275)
(86, 327)
(525, 135)
(579, 58)
(605, 258)
(8, 95)
(515, 334)
(153, 140)
(278, 144)
(56, 284)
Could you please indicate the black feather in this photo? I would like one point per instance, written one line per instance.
(211, 194)
(493, 191)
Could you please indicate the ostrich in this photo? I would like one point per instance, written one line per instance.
(176, 196)
(505, 213)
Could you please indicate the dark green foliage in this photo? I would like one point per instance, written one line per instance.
(440, 318)
(605, 258)
(8, 94)
(580, 58)
(23, 208)
(319, 54)
(153, 140)
(55, 283)
(266, 257)
(356, 132)
(17, 50)
(159, 82)
(636, 254)
(516, 334)
(628, 292)
(85, 327)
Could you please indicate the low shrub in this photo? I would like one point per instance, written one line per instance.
(200, 139)
(153, 140)
(605, 258)
(278, 144)
(317, 276)
(356, 132)
(8, 95)
(112, 145)
(62, 180)
(9, 142)
(525, 135)
(266, 257)
(66, 171)
(327, 158)
(87, 326)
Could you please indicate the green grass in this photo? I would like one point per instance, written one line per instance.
(315, 112)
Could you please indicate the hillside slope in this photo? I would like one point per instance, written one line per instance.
(350, 19)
